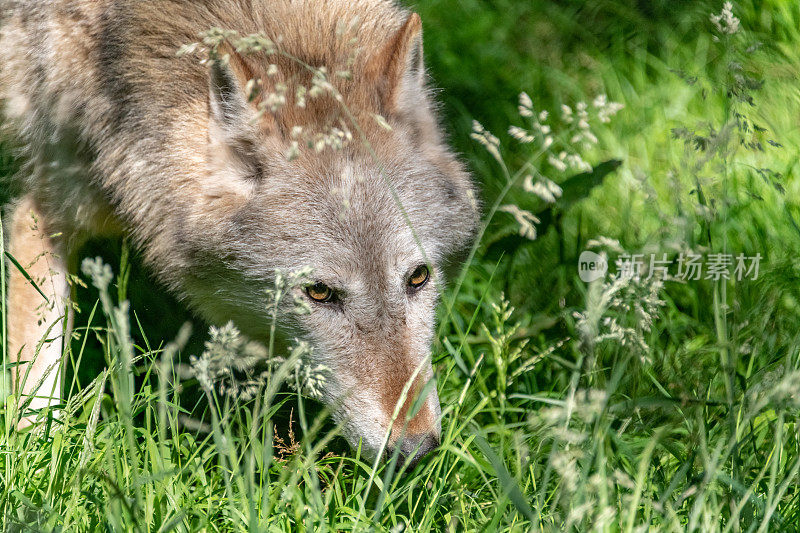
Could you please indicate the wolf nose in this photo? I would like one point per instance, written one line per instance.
(415, 447)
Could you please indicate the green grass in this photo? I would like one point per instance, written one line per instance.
(687, 421)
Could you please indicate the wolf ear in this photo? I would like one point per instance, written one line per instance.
(399, 67)
(233, 131)
(229, 109)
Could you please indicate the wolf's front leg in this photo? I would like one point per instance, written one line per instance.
(37, 326)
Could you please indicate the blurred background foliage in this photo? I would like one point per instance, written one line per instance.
(483, 53)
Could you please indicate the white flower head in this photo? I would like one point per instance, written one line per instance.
(557, 163)
(566, 113)
(485, 137)
(293, 152)
(575, 161)
(520, 134)
(600, 101)
(725, 22)
(525, 219)
(525, 105)
(545, 189)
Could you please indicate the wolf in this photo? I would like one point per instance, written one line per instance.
(204, 166)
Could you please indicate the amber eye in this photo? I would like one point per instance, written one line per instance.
(419, 277)
(319, 292)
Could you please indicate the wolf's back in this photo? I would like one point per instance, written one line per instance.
(94, 88)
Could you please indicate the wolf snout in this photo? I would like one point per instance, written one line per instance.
(415, 447)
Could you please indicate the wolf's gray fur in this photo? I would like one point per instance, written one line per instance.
(124, 137)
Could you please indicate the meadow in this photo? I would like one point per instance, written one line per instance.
(656, 135)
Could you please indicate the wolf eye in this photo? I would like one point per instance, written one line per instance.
(319, 292)
(419, 277)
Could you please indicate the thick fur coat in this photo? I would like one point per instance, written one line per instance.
(120, 135)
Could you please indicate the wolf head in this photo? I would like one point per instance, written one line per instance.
(376, 220)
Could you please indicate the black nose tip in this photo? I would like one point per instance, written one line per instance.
(415, 447)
